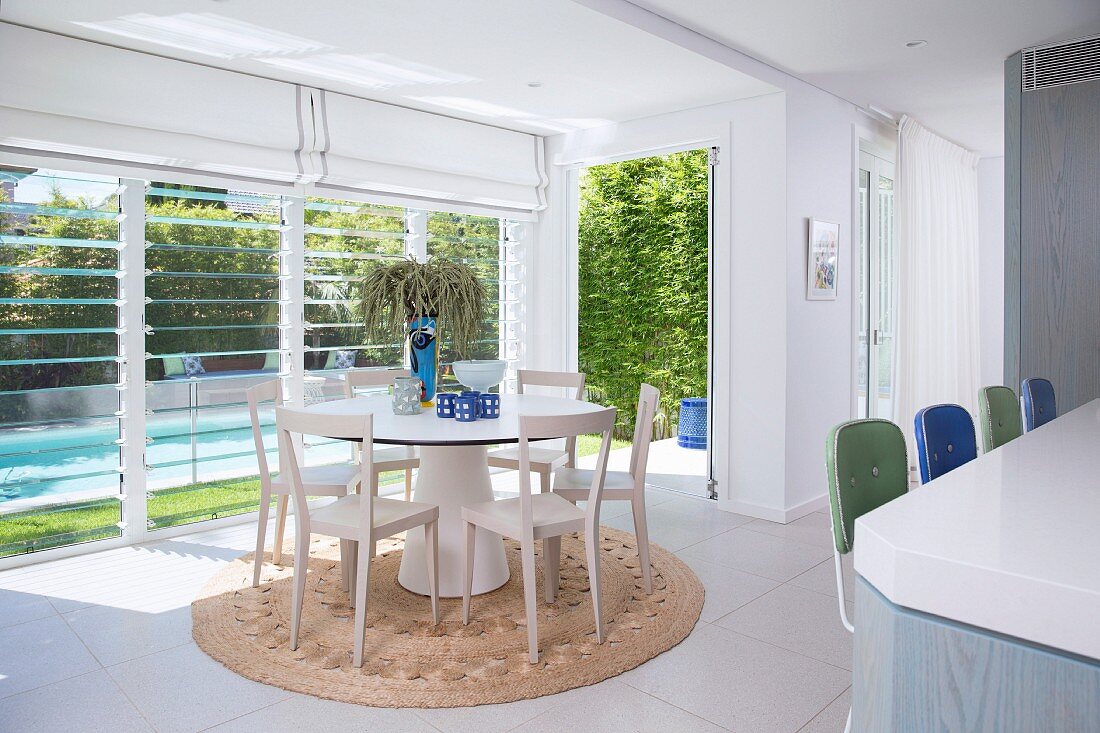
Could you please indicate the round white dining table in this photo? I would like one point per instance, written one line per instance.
(454, 472)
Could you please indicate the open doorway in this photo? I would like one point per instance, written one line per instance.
(644, 305)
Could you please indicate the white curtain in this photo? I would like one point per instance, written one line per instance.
(938, 340)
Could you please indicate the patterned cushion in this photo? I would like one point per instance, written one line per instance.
(345, 359)
(192, 366)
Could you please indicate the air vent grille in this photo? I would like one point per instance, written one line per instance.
(1057, 64)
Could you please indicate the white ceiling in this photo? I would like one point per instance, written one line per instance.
(856, 50)
(471, 59)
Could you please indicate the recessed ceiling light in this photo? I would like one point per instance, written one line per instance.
(534, 84)
(916, 44)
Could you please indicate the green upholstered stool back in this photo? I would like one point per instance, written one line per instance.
(999, 414)
(868, 467)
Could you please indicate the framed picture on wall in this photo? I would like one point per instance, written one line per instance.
(823, 252)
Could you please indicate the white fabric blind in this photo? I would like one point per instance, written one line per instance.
(938, 357)
(423, 159)
(158, 118)
(82, 99)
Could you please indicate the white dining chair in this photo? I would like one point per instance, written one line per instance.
(543, 460)
(546, 517)
(629, 485)
(333, 480)
(358, 520)
(393, 458)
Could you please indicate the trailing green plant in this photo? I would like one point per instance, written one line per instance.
(393, 293)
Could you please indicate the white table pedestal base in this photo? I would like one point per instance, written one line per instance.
(451, 477)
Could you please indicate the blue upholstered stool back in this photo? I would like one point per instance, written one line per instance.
(1039, 405)
(945, 440)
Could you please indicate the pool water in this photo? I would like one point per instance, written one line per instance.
(84, 459)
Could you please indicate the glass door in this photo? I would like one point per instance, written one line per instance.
(876, 275)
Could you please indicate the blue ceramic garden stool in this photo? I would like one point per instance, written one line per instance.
(1039, 405)
(692, 432)
(945, 440)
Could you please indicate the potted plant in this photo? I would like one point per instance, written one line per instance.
(410, 299)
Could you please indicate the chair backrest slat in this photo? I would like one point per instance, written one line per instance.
(569, 380)
(867, 466)
(542, 427)
(945, 440)
(370, 378)
(290, 422)
(648, 398)
(999, 415)
(270, 391)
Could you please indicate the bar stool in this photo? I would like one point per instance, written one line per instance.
(999, 414)
(945, 440)
(867, 467)
(1039, 404)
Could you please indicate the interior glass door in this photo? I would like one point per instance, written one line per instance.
(877, 276)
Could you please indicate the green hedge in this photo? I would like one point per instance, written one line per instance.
(643, 282)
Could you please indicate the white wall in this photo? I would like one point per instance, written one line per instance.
(991, 264)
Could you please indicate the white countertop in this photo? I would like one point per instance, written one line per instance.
(427, 429)
(1009, 542)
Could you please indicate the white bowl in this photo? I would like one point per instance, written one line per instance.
(479, 374)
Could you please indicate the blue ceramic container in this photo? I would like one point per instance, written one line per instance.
(488, 406)
(466, 408)
(445, 404)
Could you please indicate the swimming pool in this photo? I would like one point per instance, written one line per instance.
(67, 461)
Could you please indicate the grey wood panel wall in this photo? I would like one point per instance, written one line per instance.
(1013, 79)
(1057, 162)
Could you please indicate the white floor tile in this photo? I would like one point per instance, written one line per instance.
(726, 589)
(740, 683)
(796, 619)
(117, 635)
(833, 718)
(488, 718)
(812, 529)
(90, 702)
(681, 523)
(822, 578)
(614, 706)
(183, 690)
(758, 553)
(309, 714)
(40, 652)
(17, 607)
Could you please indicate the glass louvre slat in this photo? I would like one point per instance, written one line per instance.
(209, 301)
(65, 271)
(36, 331)
(234, 198)
(9, 483)
(363, 209)
(58, 301)
(12, 240)
(364, 233)
(54, 211)
(219, 275)
(317, 254)
(209, 375)
(240, 327)
(201, 459)
(59, 449)
(160, 247)
(230, 223)
(61, 360)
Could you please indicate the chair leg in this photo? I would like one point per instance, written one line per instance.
(530, 598)
(374, 483)
(592, 551)
(468, 576)
(431, 547)
(261, 535)
(544, 481)
(408, 484)
(848, 725)
(280, 528)
(353, 570)
(345, 564)
(301, 566)
(362, 586)
(641, 537)
(551, 567)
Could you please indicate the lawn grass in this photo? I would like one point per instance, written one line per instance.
(66, 524)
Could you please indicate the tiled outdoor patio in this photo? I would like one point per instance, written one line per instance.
(109, 635)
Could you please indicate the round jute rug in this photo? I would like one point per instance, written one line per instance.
(409, 662)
